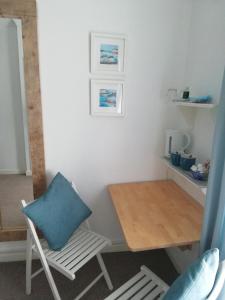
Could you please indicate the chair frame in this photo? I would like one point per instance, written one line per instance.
(34, 242)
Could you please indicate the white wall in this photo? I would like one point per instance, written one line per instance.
(12, 152)
(95, 152)
(205, 66)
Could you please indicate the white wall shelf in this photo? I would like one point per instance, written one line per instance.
(187, 175)
(197, 105)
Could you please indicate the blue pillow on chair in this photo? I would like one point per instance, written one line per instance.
(58, 212)
(197, 282)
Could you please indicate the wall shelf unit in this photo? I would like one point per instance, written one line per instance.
(187, 175)
(192, 104)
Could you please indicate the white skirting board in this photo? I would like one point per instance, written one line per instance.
(15, 251)
(11, 172)
(12, 251)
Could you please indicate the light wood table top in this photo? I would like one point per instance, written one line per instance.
(156, 214)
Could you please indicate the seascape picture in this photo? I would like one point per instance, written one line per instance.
(107, 98)
(109, 54)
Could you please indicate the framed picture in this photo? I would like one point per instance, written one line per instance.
(108, 53)
(107, 98)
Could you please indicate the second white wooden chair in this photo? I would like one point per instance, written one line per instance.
(144, 285)
(148, 286)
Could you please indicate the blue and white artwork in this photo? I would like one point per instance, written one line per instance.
(107, 98)
(109, 54)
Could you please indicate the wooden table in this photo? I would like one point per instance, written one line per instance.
(156, 214)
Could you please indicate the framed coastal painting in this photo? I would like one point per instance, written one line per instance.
(107, 98)
(108, 53)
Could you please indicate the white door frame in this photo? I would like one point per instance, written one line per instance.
(18, 24)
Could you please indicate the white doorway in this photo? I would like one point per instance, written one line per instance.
(14, 140)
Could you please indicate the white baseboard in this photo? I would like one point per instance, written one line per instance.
(11, 172)
(16, 251)
(12, 251)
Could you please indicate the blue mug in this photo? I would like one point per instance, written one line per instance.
(187, 162)
(175, 159)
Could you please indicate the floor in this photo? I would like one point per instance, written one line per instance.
(13, 188)
(121, 267)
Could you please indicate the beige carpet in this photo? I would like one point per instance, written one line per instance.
(13, 188)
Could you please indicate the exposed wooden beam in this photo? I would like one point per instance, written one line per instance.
(17, 8)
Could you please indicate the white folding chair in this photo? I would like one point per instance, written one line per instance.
(144, 285)
(148, 286)
(82, 246)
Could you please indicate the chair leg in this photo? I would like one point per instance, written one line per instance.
(104, 271)
(28, 263)
(49, 277)
(52, 283)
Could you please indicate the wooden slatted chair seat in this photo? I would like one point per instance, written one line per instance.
(82, 246)
(144, 285)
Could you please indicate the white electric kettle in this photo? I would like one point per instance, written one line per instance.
(176, 141)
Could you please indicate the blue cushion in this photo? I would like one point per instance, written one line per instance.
(197, 282)
(58, 212)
